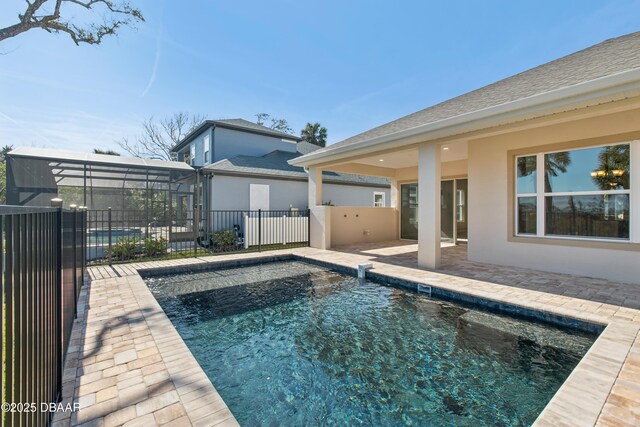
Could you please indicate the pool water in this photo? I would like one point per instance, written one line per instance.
(290, 343)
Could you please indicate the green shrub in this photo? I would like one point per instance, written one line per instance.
(155, 247)
(224, 238)
(125, 248)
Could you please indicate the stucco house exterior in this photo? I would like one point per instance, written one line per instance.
(244, 166)
(539, 170)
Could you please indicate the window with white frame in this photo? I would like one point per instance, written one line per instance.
(581, 193)
(206, 144)
(378, 199)
(192, 152)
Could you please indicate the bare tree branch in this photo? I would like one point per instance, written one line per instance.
(119, 14)
(160, 136)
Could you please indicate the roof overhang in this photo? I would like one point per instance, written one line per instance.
(610, 88)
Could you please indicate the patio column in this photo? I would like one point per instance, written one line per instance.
(429, 205)
(320, 216)
(393, 194)
(315, 187)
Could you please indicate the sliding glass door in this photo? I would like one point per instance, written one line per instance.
(453, 211)
(409, 211)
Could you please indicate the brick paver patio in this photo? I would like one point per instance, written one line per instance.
(128, 366)
(455, 263)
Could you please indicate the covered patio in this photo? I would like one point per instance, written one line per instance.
(426, 172)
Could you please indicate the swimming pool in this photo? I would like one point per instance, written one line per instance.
(290, 343)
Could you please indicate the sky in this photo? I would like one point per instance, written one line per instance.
(350, 65)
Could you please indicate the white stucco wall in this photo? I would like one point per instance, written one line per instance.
(490, 205)
(232, 192)
(351, 225)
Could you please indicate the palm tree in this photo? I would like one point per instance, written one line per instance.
(315, 134)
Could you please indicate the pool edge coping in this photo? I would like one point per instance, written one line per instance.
(583, 395)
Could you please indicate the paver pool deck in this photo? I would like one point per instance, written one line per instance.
(127, 365)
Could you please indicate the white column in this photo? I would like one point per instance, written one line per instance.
(320, 218)
(429, 206)
(315, 187)
(394, 194)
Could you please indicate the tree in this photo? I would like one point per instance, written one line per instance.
(613, 168)
(315, 134)
(159, 137)
(3, 172)
(4, 151)
(48, 15)
(281, 125)
(107, 152)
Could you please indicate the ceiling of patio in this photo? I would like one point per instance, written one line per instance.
(408, 158)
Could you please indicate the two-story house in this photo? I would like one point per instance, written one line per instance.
(243, 165)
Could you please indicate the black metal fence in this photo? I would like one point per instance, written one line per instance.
(134, 235)
(42, 265)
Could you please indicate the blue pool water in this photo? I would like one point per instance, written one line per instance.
(294, 344)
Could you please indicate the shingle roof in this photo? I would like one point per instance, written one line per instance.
(239, 124)
(246, 124)
(609, 57)
(305, 147)
(275, 164)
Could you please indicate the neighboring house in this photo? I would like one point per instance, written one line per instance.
(539, 170)
(245, 166)
(269, 182)
(216, 140)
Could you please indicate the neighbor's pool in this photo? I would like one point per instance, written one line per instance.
(294, 344)
(101, 237)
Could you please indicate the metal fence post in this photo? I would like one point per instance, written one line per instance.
(259, 230)
(196, 230)
(110, 242)
(83, 243)
(58, 293)
(75, 261)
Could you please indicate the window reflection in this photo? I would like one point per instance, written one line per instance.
(527, 215)
(604, 215)
(526, 181)
(591, 169)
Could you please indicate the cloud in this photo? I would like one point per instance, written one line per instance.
(156, 62)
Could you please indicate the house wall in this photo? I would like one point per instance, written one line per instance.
(491, 205)
(229, 143)
(232, 192)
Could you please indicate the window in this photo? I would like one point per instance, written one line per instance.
(206, 149)
(378, 199)
(582, 193)
(192, 153)
(526, 183)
